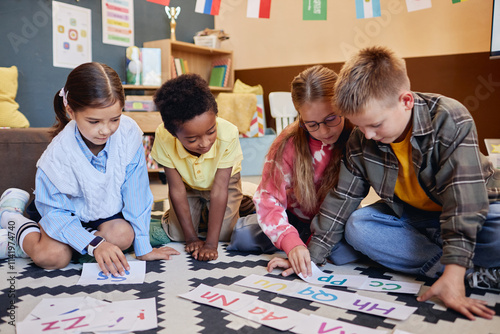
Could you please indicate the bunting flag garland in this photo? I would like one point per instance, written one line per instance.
(457, 1)
(314, 10)
(367, 8)
(161, 2)
(259, 9)
(414, 5)
(210, 7)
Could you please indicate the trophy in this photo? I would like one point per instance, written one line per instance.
(173, 14)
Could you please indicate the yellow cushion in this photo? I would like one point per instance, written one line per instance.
(243, 88)
(9, 113)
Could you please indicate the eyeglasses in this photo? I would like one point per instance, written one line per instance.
(330, 121)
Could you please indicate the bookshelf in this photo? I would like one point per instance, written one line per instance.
(199, 58)
(148, 121)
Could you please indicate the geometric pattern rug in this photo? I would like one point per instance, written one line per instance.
(24, 285)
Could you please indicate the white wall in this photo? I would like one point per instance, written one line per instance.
(285, 39)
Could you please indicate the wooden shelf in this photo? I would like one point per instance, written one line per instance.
(148, 121)
(140, 87)
(199, 59)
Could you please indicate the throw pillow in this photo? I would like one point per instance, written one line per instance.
(9, 113)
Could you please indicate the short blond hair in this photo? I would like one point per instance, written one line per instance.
(373, 73)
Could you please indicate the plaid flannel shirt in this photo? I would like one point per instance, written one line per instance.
(450, 169)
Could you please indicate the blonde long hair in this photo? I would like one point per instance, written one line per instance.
(313, 84)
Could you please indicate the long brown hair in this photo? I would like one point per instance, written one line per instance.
(90, 85)
(313, 84)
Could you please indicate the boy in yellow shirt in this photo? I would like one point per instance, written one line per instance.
(201, 155)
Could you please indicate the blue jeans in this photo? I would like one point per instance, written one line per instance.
(248, 237)
(412, 244)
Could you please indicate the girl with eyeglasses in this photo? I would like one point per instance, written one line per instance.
(301, 167)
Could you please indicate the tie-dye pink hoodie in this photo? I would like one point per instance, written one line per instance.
(271, 202)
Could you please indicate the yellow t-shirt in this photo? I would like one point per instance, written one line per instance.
(199, 172)
(407, 187)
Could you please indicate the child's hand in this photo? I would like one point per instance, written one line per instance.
(193, 245)
(206, 253)
(278, 262)
(110, 256)
(162, 253)
(300, 260)
(451, 290)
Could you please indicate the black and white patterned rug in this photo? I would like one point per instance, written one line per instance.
(24, 285)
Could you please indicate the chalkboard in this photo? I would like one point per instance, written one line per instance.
(26, 41)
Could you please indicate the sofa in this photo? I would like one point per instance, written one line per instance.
(20, 149)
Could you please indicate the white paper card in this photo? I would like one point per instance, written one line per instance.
(317, 324)
(336, 298)
(271, 315)
(359, 282)
(220, 298)
(92, 274)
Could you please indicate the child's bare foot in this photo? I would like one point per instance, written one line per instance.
(193, 245)
(206, 253)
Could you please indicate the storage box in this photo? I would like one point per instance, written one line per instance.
(139, 103)
(210, 41)
(254, 152)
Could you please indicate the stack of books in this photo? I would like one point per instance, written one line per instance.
(147, 143)
(178, 66)
(219, 76)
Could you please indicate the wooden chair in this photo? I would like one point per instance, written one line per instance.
(282, 109)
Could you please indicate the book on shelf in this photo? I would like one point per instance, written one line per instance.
(226, 64)
(178, 66)
(217, 76)
(173, 72)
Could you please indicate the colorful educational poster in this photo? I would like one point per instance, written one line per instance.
(414, 5)
(313, 10)
(118, 22)
(71, 35)
(367, 8)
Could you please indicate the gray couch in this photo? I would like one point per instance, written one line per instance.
(19, 152)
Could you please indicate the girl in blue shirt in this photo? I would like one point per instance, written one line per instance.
(92, 187)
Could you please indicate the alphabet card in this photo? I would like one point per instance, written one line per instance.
(220, 298)
(342, 299)
(92, 274)
(359, 282)
(267, 314)
(86, 314)
(271, 315)
(316, 325)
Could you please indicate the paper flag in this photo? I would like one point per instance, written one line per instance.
(210, 7)
(259, 9)
(457, 1)
(414, 5)
(367, 8)
(314, 10)
(161, 2)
